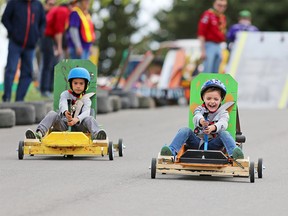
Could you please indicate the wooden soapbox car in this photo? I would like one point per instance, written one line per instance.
(70, 143)
(210, 163)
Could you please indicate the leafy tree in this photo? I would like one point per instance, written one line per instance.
(181, 22)
(114, 35)
(266, 15)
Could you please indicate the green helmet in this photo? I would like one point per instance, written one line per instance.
(245, 14)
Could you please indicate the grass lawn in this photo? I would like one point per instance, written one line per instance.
(33, 94)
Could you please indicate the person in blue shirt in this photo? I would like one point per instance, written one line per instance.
(81, 33)
(244, 24)
(25, 23)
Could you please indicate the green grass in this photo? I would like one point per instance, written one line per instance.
(33, 94)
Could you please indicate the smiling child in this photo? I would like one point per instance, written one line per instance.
(214, 125)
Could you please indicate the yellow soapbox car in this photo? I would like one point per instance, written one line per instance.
(70, 143)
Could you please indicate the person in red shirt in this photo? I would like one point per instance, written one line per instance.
(57, 22)
(211, 33)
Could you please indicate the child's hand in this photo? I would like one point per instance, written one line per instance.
(73, 121)
(209, 129)
(68, 116)
(204, 123)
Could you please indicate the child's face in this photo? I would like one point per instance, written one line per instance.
(78, 85)
(212, 100)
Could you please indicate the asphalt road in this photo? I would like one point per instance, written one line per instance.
(96, 186)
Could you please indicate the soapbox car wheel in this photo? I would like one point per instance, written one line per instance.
(153, 168)
(21, 150)
(260, 168)
(240, 138)
(120, 147)
(252, 172)
(110, 150)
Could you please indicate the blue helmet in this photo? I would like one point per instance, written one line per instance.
(79, 72)
(213, 83)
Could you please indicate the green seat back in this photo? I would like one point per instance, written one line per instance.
(195, 98)
(61, 83)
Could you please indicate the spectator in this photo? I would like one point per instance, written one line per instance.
(57, 19)
(244, 24)
(46, 48)
(211, 33)
(25, 23)
(81, 31)
(48, 4)
(71, 5)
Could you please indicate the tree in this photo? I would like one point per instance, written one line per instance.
(181, 22)
(266, 15)
(114, 35)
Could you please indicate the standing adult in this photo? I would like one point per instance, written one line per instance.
(57, 21)
(244, 24)
(49, 4)
(211, 33)
(81, 31)
(47, 55)
(25, 23)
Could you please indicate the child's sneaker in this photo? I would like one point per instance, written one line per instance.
(101, 135)
(237, 153)
(31, 135)
(166, 151)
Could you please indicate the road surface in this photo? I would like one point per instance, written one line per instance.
(96, 186)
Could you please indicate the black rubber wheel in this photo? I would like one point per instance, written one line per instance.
(24, 113)
(252, 172)
(103, 104)
(134, 102)
(260, 168)
(40, 110)
(120, 147)
(153, 168)
(21, 150)
(115, 102)
(110, 150)
(146, 102)
(240, 138)
(8, 118)
(125, 102)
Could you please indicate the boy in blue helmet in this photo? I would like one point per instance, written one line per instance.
(80, 117)
(212, 93)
